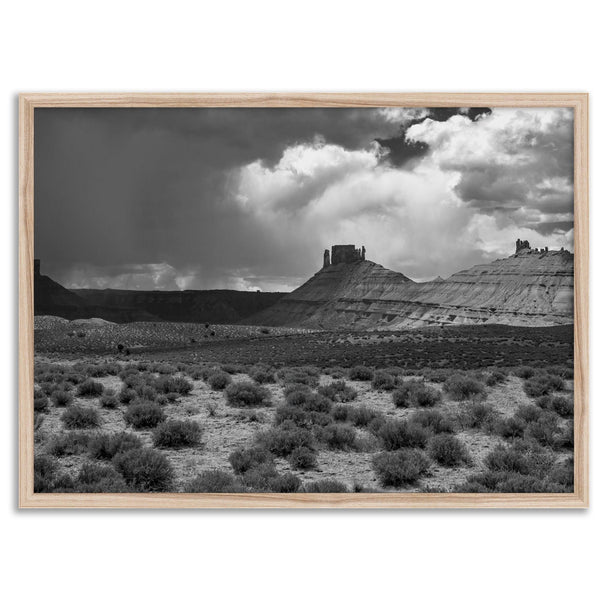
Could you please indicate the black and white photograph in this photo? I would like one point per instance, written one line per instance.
(304, 300)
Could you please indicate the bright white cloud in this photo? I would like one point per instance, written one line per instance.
(420, 221)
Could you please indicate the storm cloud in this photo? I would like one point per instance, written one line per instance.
(248, 198)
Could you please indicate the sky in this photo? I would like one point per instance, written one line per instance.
(248, 198)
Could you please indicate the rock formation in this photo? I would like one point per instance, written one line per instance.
(525, 289)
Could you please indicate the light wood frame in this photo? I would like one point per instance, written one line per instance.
(28, 499)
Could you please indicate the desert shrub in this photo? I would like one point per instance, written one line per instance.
(524, 372)
(447, 450)
(362, 416)
(461, 387)
(297, 393)
(285, 438)
(382, 380)
(401, 396)
(415, 393)
(400, 467)
(177, 434)
(219, 380)
(262, 375)
(167, 384)
(78, 417)
(520, 457)
(567, 436)
(341, 412)
(396, 434)
(495, 378)
(360, 373)
(509, 482)
(144, 415)
(511, 427)
(478, 415)
(338, 436)
(232, 368)
(546, 431)
(244, 459)
(432, 419)
(214, 482)
(243, 394)
(68, 444)
(303, 459)
(563, 372)
(541, 385)
(128, 372)
(562, 406)
(284, 484)
(106, 446)
(528, 413)
(89, 388)
(94, 478)
(338, 391)
(147, 392)
(377, 423)
(563, 473)
(317, 403)
(304, 375)
(145, 469)
(109, 399)
(325, 486)
(162, 367)
(127, 395)
(44, 473)
(102, 369)
(437, 375)
(61, 398)
(295, 414)
(40, 402)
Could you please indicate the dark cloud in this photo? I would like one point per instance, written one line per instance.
(204, 198)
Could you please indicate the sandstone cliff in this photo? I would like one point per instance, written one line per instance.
(528, 288)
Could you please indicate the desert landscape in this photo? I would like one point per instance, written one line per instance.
(385, 398)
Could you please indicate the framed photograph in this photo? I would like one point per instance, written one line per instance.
(303, 300)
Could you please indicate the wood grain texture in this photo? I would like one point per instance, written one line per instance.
(27, 499)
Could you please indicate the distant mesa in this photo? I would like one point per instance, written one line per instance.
(343, 254)
(531, 288)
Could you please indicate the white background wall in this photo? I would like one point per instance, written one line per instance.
(286, 46)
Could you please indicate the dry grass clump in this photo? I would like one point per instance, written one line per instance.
(109, 399)
(447, 450)
(262, 374)
(382, 380)
(415, 393)
(214, 481)
(145, 469)
(461, 387)
(360, 373)
(511, 427)
(338, 391)
(61, 398)
(175, 385)
(304, 375)
(219, 380)
(524, 372)
(285, 438)
(325, 486)
(495, 378)
(303, 459)
(478, 415)
(177, 434)
(432, 419)
(99, 479)
(246, 394)
(89, 388)
(106, 446)
(79, 417)
(68, 444)
(542, 385)
(338, 436)
(245, 459)
(401, 467)
(395, 434)
(362, 416)
(144, 414)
